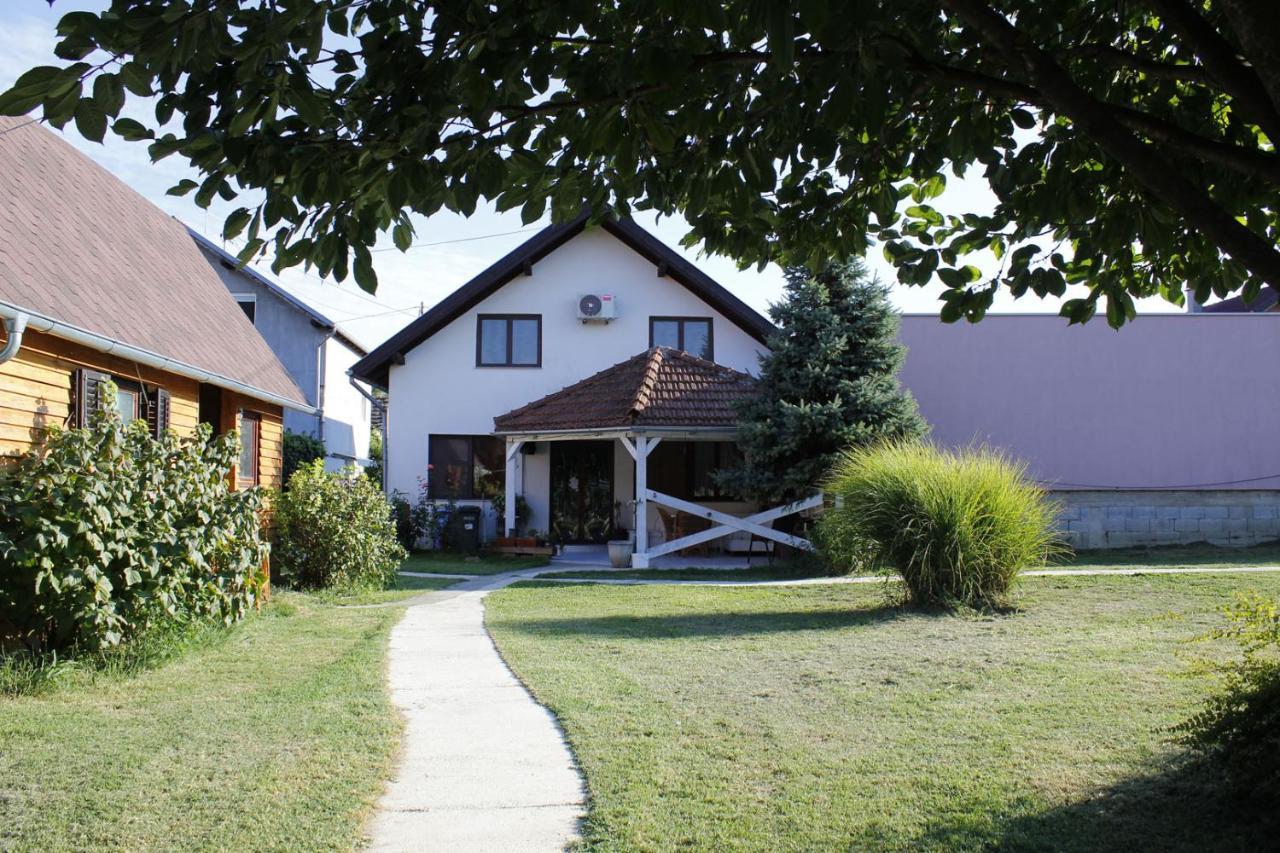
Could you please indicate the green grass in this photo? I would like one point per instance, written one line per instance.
(1176, 556)
(822, 718)
(404, 588)
(479, 564)
(276, 734)
(758, 572)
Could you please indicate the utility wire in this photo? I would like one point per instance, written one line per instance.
(457, 240)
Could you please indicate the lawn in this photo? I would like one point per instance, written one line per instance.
(824, 718)
(404, 588)
(277, 734)
(432, 562)
(761, 571)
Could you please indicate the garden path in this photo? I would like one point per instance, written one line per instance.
(483, 765)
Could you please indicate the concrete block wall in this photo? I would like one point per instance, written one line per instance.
(1125, 519)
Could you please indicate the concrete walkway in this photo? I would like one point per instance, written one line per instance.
(484, 767)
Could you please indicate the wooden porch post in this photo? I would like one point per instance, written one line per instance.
(640, 559)
(513, 472)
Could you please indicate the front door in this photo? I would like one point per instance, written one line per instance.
(581, 491)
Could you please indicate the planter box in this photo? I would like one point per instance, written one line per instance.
(531, 550)
(515, 542)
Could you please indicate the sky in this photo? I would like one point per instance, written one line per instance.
(449, 249)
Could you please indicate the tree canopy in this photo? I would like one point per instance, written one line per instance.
(1129, 145)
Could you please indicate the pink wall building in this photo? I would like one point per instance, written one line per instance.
(1166, 431)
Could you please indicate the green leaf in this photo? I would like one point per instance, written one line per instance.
(136, 78)
(181, 188)
(236, 223)
(108, 91)
(402, 236)
(131, 130)
(1022, 118)
(91, 121)
(365, 275)
(29, 90)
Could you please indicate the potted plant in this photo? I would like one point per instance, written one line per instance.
(621, 540)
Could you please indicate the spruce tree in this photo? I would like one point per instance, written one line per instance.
(828, 382)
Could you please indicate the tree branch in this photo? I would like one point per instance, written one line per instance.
(1117, 58)
(1158, 178)
(1221, 60)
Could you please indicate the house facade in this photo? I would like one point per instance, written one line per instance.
(97, 285)
(517, 334)
(315, 351)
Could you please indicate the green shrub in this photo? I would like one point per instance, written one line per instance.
(106, 532)
(336, 530)
(300, 449)
(958, 527)
(1240, 721)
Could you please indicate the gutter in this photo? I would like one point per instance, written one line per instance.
(13, 327)
(103, 344)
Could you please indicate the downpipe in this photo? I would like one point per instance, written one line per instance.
(14, 328)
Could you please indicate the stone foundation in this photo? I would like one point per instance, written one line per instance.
(1115, 519)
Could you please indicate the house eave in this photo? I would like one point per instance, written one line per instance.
(109, 346)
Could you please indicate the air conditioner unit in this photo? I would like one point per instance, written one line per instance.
(597, 307)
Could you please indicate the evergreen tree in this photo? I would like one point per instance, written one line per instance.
(828, 382)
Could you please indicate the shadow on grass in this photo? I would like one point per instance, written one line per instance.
(720, 624)
(1186, 808)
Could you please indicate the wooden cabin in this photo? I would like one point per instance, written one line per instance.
(98, 284)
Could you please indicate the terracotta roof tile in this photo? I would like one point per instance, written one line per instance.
(78, 245)
(658, 388)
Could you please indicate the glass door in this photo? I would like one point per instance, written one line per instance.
(581, 491)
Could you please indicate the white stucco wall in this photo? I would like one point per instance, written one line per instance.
(439, 389)
(347, 415)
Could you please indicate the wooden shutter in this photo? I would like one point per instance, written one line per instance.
(157, 411)
(87, 388)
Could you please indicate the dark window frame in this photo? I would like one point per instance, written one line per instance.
(680, 321)
(256, 479)
(467, 489)
(141, 394)
(507, 318)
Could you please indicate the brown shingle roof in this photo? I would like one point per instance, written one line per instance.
(79, 246)
(658, 388)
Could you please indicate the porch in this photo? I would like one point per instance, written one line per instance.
(632, 452)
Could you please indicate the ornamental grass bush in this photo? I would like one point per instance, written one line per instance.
(107, 532)
(335, 531)
(1239, 724)
(957, 526)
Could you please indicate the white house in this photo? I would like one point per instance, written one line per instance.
(590, 372)
(317, 353)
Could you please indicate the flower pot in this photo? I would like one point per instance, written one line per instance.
(620, 553)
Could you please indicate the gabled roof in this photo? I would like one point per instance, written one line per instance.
(375, 366)
(231, 262)
(1268, 299)
(79, 247)
(661, 387)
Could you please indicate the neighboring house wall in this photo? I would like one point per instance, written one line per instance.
(1162, 432)
(36, 394)
(440, 390)
(303, 347)
(347, 416)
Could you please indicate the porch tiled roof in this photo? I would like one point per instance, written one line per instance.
(658, 388)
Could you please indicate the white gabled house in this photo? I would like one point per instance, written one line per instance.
(592, 372)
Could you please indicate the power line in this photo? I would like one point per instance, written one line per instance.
(457, 240)
(26, 123)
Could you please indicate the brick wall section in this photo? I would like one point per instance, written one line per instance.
(1126, 519)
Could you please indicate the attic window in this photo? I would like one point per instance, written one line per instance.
(509, 340)
(248, 303)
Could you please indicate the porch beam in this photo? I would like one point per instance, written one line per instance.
(628, 445)
(730, 524)
(512, 472)
(640, 559)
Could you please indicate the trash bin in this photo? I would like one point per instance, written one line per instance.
(466, 529)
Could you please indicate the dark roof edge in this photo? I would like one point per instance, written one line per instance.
(375, 366)
(275, 289)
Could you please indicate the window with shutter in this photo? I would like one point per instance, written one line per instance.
(87, 386)
(157, 411)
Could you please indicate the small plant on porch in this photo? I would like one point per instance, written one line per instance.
(828, 383)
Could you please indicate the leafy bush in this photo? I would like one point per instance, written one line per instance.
(336, 530)
(375, 471)
(1240, 721)
(300, 449)
(958, 527)
(106, 532)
